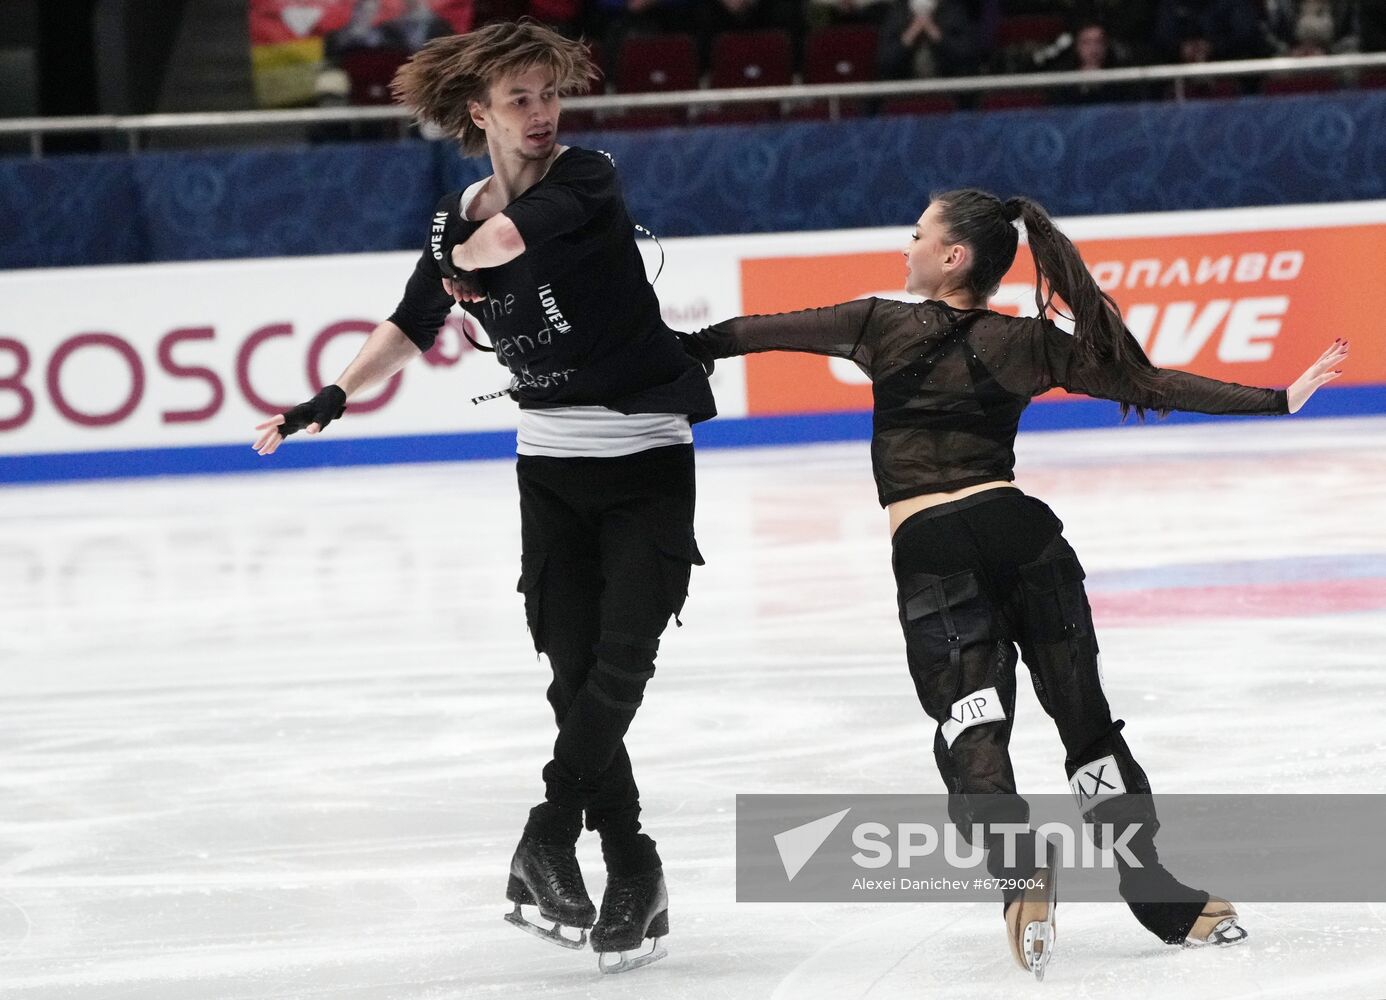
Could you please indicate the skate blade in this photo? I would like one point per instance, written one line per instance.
(552, 935)
(1033, 946)
(1039, 945)
(1227, 932)
(624, 964)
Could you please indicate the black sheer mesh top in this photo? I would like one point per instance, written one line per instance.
(949, 385)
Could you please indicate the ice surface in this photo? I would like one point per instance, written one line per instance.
(275, 736)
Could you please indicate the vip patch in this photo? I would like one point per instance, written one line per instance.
(1096, 782)
(977, 708)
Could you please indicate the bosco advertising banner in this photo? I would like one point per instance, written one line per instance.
(1245, 295)
(193, 355)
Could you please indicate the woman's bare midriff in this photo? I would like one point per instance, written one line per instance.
(901, 509)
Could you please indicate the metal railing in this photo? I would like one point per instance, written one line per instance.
(134, 126)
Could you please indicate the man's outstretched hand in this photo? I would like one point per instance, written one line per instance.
(311, 416)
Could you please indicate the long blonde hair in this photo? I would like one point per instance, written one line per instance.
(442, 79)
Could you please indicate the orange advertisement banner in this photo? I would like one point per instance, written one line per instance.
(1250, 307)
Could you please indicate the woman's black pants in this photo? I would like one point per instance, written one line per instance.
(977, 577)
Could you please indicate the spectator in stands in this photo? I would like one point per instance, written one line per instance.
(1372, 27)
(1196, 47)
(851, 11)
(360, 31)
(417, 25)
(1311, 27)
(612, 20)
(928, 38)
(564, 16)
(1236, 27)
(645, 17)
(721, 16)
(752, 15)
(1092, 51)
(1128, 23)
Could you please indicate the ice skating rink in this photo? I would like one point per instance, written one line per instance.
(275, 736)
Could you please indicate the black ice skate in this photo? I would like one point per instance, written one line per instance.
(548, 876)
(1216, 925)
(1030, 923)
(634, 907)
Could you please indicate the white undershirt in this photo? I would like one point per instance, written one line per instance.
(589, 431)
(597, 432)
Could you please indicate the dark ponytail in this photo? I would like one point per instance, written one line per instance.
(1102, 337)
(985, 224)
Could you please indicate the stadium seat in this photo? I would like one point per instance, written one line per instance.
(1001, 100)
(845, 54)
(920, 104)
(1214, 88)
(598, 56)
(657, 63)
(749, 59)
(1301, 83)
(650, 64)
(370, 72)
(1029, 29)
(581, 120)
(841, 54)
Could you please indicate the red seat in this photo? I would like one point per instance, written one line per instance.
(751, 59)
(1214, 88)
(920, 104)
(1029, 29)
(1001, 100)
(370, 72)
(598, 56)
(842, 54)
(1301, 83)
(657, 63)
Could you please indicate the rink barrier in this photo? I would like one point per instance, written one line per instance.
(363, 197)
(743, 432)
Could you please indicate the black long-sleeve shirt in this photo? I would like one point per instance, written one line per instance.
(573, 317)
(949, 385)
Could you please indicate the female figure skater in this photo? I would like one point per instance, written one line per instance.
(980, 567)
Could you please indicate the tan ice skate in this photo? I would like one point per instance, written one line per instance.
(1030, 924)
(1216, 925)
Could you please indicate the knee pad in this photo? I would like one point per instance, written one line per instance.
(625, 663)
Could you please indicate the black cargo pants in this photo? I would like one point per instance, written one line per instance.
(975, 577)
(608, 549)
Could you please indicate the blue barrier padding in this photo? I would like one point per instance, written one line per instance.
(722, 433)
(345, 197)
(320, 453)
